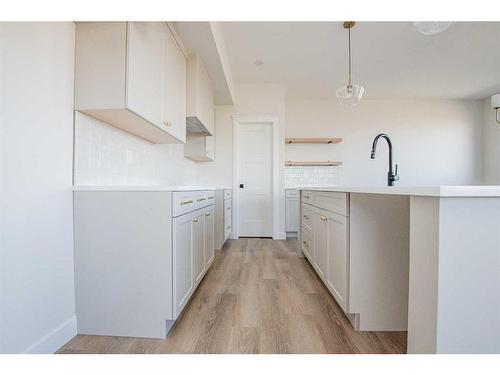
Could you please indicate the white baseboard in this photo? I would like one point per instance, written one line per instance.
(55, 339)
(280, 236)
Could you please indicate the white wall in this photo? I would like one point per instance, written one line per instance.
(251, 100)
(436, 142)
(37, 306)
(491, 145)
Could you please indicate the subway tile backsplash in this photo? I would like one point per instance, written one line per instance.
(311, 176)
(105, 155)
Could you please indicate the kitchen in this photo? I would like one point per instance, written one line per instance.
(208, 167)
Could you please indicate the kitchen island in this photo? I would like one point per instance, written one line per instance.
(425, 259)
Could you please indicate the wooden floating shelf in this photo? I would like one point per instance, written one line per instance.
(327, 163)
(290, 141)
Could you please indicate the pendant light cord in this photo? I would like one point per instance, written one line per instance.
(349, 33)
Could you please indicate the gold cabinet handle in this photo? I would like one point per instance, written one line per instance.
(323, 218)
(183, 203)
(208, 214)
(201, 199)
(212, 197)
(195, 220)
(167, 123)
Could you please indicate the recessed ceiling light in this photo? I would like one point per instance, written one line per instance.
(431, 28)
(258, 62)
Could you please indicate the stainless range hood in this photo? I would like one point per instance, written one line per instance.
(195, 127)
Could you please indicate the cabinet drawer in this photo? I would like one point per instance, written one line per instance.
(228, 205)
(187, 201)
(335, 202)
(211, 197)
(307, 197)
(307, 243)
(307, 217)
(182, 202)
(228, 193)
(332, 201)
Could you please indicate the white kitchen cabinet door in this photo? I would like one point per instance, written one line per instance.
(198, 246)
(209, 235)
(174, 88)
(307, 244)
(122, 70)
(292, 214)
(182, 261)
(145, 65)
(321, 243)
(338, 258)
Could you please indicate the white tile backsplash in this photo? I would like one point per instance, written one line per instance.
(311, 176)
(105, 155)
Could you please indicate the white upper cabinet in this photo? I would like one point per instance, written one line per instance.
(145, 69)
(174, 89)
(200, 98)
(132, 75)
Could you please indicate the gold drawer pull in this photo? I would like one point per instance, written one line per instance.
(208, 214)
(167, 123)
(323, 218)
(183, 203)
(201, 199)
(212, 197)
(195, 220)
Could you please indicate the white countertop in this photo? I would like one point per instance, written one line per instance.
(429, 191)
(145, 188)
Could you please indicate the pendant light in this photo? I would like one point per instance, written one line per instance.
(431, 28)
(350, 94)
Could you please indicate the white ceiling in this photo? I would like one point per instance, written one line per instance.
(390, 59)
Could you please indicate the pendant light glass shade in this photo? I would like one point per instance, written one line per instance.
(432, 27)
(350, 94)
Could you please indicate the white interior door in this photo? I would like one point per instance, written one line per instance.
(255, 203)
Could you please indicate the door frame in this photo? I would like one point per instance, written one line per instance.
(273, 121)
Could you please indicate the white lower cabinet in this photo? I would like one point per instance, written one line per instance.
(325, 240)
(223, 216)
(308, 244)
(198, 246)
(139, 256)
(321, 245)
(209, 236)
(338, 257)
(193, 252)
(183, 259)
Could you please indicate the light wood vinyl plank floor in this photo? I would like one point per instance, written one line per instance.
(260, 296)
